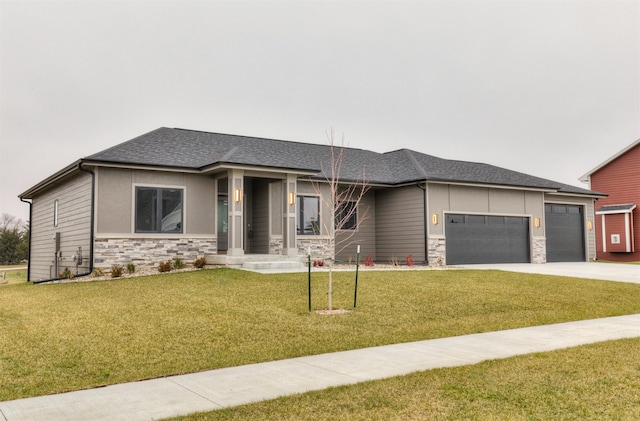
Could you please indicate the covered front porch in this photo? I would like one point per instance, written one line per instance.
(255, 216)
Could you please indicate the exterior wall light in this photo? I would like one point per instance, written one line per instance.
(434, 219)
(237, 195)
(589, 225)
(292, 198)
(536, 222)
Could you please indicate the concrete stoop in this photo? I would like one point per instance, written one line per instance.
(258, 262)
(273, 265)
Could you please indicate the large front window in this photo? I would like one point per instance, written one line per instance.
(308, 212)
(158, 210)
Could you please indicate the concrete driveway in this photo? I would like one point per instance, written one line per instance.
(589, 270)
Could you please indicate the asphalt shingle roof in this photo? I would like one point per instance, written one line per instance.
(617, 208)
(190, 149)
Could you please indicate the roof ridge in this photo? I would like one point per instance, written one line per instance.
(409, 153)
(229, 153)
(273, 140)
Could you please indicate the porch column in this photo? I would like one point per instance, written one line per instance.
(236, 218)
(289, 246)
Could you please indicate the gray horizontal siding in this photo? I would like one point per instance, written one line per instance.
(399, 224)
(74, 225)
(365, 236)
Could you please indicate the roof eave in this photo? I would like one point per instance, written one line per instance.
(230, 165)
(624, 209)
(117, 164)
(69, 169)
(492, 185)
(198, 170)
(593, 194)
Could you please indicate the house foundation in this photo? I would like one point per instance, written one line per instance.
(319, 248)
(148, 252)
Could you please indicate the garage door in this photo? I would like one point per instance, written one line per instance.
(564, 229)
(486, 239)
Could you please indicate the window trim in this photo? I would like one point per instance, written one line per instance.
(300, 213)
(134, 189)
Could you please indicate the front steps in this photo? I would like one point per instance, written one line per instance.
(259, 262)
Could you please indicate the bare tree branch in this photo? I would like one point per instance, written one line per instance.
(341, 196)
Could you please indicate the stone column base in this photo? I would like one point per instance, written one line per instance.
(437, 252)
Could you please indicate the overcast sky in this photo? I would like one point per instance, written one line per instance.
(549, 88)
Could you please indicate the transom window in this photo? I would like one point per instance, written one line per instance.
(346, 216)
(308, 215)
(159, 210)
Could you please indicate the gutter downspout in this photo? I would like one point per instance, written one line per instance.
(91, 236)
(92, 213)
(28, 248)
(426, 221)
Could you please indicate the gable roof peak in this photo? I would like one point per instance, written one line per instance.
(585, 177)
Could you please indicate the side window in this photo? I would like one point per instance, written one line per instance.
(308, 215)
(346, 216)
(55, 213)
(158, 210)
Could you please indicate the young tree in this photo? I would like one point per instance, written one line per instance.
(343, 199)
(13, 239)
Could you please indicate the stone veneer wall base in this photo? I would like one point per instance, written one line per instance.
(149, 252)
(319, 247)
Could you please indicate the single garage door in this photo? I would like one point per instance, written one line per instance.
(486, 239)
(564, 229)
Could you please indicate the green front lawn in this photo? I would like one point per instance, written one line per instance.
(77, 335)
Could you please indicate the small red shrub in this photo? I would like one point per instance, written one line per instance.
(409, 260)
(368, 261)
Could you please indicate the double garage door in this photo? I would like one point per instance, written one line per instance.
(487, 239)
(475, 239)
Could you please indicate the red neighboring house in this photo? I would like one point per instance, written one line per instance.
(618, 215)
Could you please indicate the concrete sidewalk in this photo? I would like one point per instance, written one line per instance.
(178, 395)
